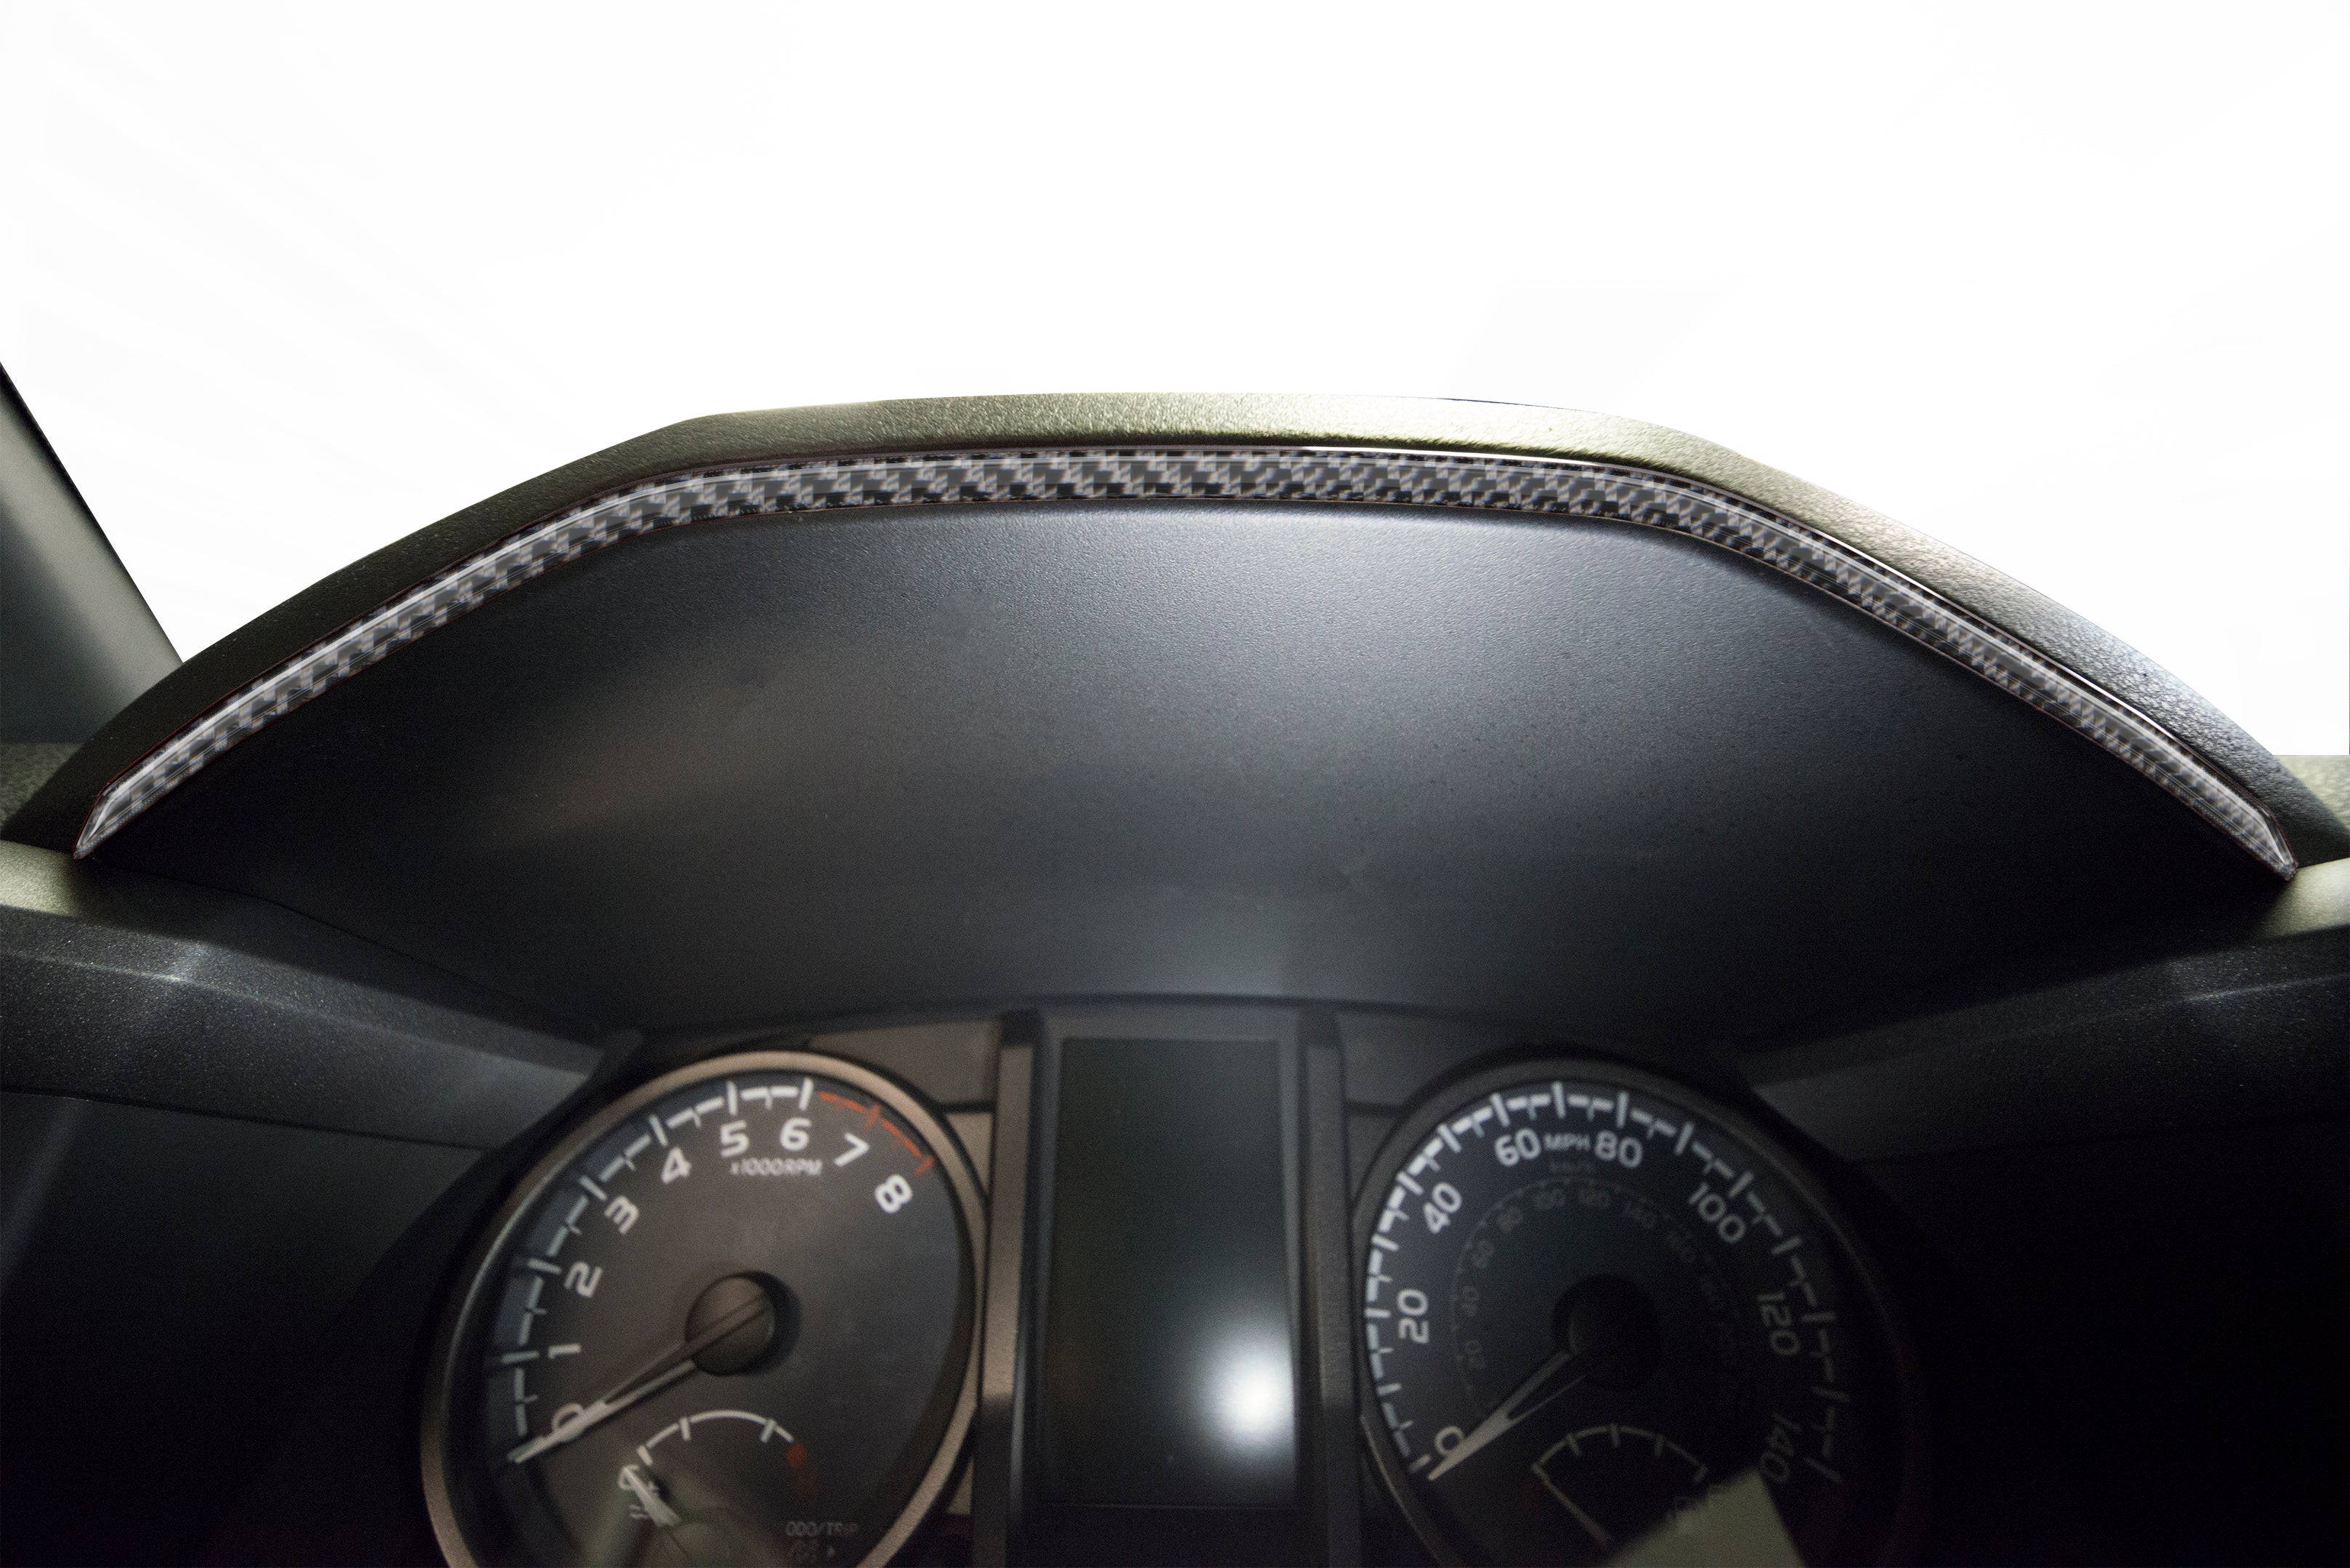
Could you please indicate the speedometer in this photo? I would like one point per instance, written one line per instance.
(1601, 1315)
(728, 1319)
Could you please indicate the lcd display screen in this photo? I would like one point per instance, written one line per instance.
(1168, 1375)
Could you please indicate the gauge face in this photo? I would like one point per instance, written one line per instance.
(1600, 1313)
(728, 1320)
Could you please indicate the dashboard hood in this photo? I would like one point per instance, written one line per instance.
(1423, 702)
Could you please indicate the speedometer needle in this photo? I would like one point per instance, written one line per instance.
(646, 1380)
(1545, 1383)
(1606, 1331)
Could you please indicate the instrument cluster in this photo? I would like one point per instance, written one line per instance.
(737, 1312)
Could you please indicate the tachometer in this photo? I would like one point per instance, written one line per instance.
(728, 1319)
(1601, 1315)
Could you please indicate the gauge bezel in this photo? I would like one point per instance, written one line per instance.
(442, 1369)
(1437, 1103)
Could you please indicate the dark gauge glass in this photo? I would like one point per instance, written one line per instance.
(727, 1320)
(1602, 1316)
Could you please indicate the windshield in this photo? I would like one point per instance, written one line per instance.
(283, 285)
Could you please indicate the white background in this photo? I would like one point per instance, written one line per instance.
(2065, 287)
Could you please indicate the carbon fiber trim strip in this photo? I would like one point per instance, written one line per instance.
(1548, 487)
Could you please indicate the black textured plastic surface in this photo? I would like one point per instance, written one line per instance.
(124, 987)
(768, 769)
(2239, 1032)
(167, 1281)
(2328, 778)
(2165, 1314)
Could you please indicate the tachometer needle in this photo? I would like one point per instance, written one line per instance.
(650, 1378)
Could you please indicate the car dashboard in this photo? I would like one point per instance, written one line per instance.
(1165, 979)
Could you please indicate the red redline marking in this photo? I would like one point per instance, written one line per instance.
(873, 1114)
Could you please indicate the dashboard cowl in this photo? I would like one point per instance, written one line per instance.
(1409, 755)
(985, 424)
